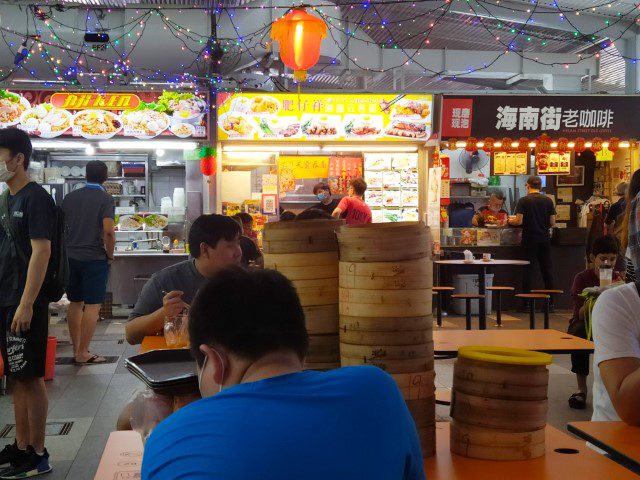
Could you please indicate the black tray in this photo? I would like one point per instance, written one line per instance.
(164, 369)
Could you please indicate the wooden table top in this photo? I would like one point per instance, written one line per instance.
(490, 263)
(615, 438)
(585, 463)
(549, 341)
(154, 342)
(122, 457)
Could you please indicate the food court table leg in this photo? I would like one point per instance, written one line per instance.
(482, 303)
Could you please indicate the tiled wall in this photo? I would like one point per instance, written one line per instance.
(163, 182)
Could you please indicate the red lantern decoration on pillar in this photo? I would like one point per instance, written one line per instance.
(544, 143)
(488, 144)
(506, 144)
(596, 144)
(208, 165)
(472, 144)
(523, 144)
(299, 35)
(563, 145)
(614, 144)
(579, 145)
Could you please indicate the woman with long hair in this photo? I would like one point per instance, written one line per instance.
(631, 228)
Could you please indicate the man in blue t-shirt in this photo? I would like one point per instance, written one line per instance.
(261, 416)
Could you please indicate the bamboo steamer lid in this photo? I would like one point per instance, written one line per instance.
(278, 260)
(321, 366)
(414, 386)
(427, 436)
(423, 411)
(386, 297)
(392, 352)
(317, 292)
(355, 337)
(496, 445)
(485, 412)
(413, 365)
(321, 319)
(278, 231)
(385, 324)
(384, 242)
(414, 309)
(308, 272)
(373, 230)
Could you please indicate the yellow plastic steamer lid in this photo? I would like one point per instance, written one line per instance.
(505, 355)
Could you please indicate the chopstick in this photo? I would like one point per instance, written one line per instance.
(186, 305)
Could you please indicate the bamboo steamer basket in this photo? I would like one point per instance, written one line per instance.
(427, 436)
(499, 403)
(323, 349)
(385, 324)
(410, 337)
(321, 319)
(414, 386)
(412, 365)
(301, 237)
(384, 242)
(391, 352)
(387, 297)
(308, 272)
(323, 291)
(423, 411)
(411, 274)
(486, 444)
(276, 261)
(381, 310)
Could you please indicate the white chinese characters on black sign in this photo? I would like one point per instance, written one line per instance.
(551, 118)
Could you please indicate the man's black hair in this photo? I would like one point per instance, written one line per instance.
(607, 244)
(287, 216)
(321, 186)
(359, 186)
(210, 229)
(272, 321)
(17, 141)
(97, 172)
(535, 182)
(313, 214)
(244, 217)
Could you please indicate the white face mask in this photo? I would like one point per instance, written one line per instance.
(5, 173)
(204, 364)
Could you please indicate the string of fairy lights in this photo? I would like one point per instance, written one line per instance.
(211, 62)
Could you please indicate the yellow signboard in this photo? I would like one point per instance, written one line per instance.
(324, 117)
(604, 155)
(295, 167)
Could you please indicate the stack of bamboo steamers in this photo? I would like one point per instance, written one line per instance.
(306, 252)
(385, 311)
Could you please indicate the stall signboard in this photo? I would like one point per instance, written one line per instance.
(298, 167)
(97, 116)
(324, 117)
(553, 163)
(517, 116)
(510, 163)
(341, 171)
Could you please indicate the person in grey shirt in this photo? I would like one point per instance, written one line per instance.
(215, 244)
(90, 238)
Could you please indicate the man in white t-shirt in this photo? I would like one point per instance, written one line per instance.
(616, 334)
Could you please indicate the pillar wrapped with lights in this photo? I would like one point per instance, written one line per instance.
(300, 36)
(208, 161)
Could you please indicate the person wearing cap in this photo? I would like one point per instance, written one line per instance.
(323, 194)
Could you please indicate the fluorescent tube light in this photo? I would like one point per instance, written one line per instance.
(271, 148)
(147, 145)
(366, 148)
(59, 144)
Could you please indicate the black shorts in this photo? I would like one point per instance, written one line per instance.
(24, 356)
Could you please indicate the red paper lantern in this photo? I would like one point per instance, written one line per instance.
(506, 144)
(208, 165)
(579, 145)
(614, 144)
(523, 144)
(472, 144)
(596, 144)
(544, 143)
(488, 144)
(299, 35)
(563, 145)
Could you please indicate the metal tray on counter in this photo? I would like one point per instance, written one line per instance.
(164, 369)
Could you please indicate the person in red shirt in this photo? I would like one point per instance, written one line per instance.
(357, 212)
(493, 213)
(604, 249)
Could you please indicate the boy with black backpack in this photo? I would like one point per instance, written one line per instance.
(28, 281)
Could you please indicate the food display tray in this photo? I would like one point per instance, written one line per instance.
(164, 369)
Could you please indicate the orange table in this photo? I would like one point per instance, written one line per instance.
(582, 462)
(447, 342)
(618, 439)
(122, 457)
(154, 342)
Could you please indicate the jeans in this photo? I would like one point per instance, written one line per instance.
(537, 252)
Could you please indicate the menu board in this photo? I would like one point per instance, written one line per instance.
(95, 116)
(324, 117)
(392, 186)
(510, 163)
(553, 163)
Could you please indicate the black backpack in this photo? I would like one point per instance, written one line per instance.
(57, 277)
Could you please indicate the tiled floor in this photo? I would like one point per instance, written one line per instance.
(92, 396)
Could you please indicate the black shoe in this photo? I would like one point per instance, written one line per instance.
(31, 466)
(11, 454)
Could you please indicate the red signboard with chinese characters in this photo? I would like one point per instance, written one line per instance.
(517, 116)
(456, 117)
(445, 194)
(341, 171)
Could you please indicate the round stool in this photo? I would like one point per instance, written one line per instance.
(551, 294)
